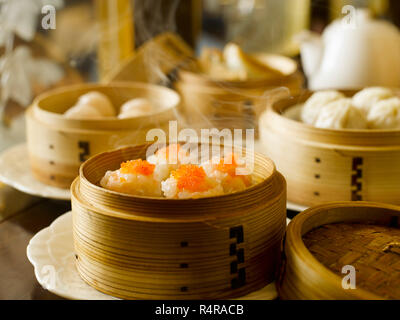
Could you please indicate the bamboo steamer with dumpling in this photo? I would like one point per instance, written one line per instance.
(141, 247)
(323, 165)
(58, 145)
(342, 251)
(237, 103)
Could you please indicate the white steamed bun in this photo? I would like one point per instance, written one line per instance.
(365, 99)
(385, 114)
(316, 103)
(341, 114)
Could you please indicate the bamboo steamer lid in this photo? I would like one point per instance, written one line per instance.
(330, 165)
(57, 145)
(153, 248)
(321, 241)
(209, 102)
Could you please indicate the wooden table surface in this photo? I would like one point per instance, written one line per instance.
(17, 279)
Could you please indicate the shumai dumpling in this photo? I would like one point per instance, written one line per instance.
(385, 114)
(365, 99)
(341, 114)
(225, 171)
(190, 181)
(168, 159)
(135, 177)
(316, 103)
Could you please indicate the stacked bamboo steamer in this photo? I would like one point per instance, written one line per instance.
(342, 250)
(153, 248)
(322, 165)
(237, 104)
(58, 146)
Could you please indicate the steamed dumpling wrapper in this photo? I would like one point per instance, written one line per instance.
(237, 60)
(341, 114)
(316, 103)
(212, 63)
(92, 105)
(80, 112)
(385, 114)
(136, 108)
(135, 177)
(191, 181)
(234, 64)
(225, 171)
(99, 101)
(365, 99)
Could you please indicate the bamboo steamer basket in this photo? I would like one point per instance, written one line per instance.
(321, 241)
(58, 146)
(322, 165)
(208, 102)
(153, 248)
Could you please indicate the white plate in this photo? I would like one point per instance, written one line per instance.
(51, 252)
(16, 172)
(296, 207)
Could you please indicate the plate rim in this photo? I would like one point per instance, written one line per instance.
(27, 190)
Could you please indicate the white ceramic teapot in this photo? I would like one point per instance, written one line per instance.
(352, 55)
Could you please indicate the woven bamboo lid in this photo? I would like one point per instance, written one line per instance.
(373, 250)
(325, 242)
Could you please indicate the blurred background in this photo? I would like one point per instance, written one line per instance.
(89, 32)
(93, 37)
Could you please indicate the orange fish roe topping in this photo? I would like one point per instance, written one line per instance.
(191, 178)
(137, 166)
(229, 165)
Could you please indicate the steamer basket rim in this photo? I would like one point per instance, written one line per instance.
(294, 239)
(197, 200)
(165, 218)
(36, 104)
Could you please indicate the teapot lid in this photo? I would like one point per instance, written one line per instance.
(360, 20)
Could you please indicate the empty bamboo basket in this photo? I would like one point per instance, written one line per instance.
(153, 248)
(342, 250)
(322, 165)
(210, 103)
(58, 146)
